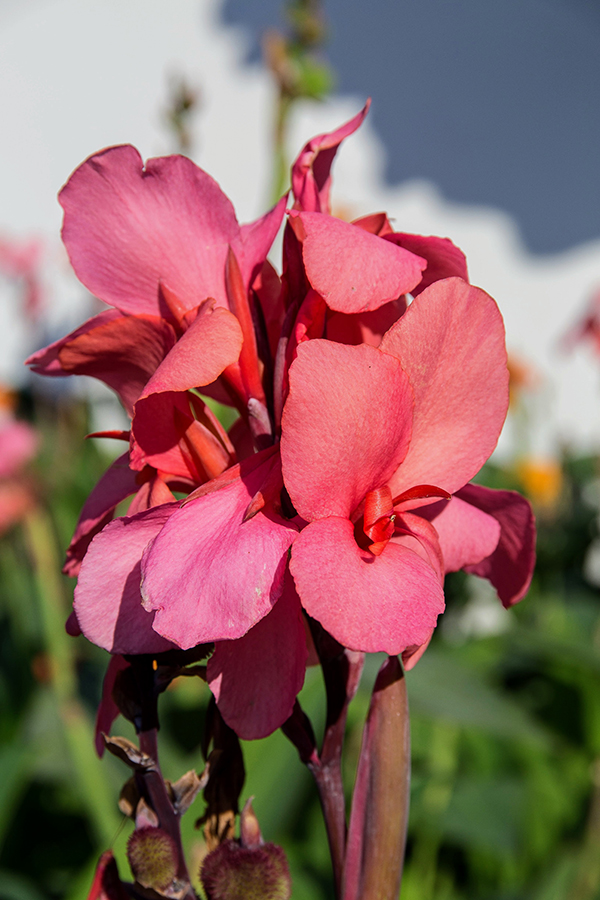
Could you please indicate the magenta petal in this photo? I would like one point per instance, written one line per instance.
(444, 259)
(389, 602)
(311, 178)
(123, 353)
(450, 342)
(510, 566)
(117, 483)
(210, 575)
(211, 343)
(467, 534)
(108, 709)
(46, 361)
(345, 428)
(128, 225)
(256, 238)
(353, 270)
(364, 328)
(108, 602)
(256, 678)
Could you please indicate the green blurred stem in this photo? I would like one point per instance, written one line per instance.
(60, 649)
(443, 761)
(280, 160)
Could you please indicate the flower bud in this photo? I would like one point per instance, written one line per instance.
(152, 856)
(233, 872)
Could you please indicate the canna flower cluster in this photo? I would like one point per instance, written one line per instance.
(370, 383)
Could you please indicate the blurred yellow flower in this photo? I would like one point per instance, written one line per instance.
(541, 479)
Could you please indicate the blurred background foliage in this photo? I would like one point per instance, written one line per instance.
(505, 705)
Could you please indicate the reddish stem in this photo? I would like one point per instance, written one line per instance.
(161, 804)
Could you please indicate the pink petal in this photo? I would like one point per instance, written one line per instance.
(256, 678)
(311, 178)
(108, 709)
(370, 603)
(412, 655)
(355, 271)
(255, 240)
(168, 437)
(450, 342)
(18, 444)
(444, 259)
(117, 483)
(46, 361)
(211, 343)
(108, 603)
(345, 428)
(510, 566)
(128, 225)
(153, 492)
(123, 353)
(211, 574)
(467, 534)
(364, 328)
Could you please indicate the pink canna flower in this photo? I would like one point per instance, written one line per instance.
(343, 487)
(369, 436)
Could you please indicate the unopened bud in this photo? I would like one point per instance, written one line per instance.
(233, 872)
(250, 836)
(152, 856)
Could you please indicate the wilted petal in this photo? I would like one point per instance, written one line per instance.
(210, 574)
(256, 678)
(467, 534)
(444, 259)
(117, 483)
(450, 342)
(108, 602)
(311, 178)
(510, 566)
(346, 426)
(128, 225)
(370, 603)
(353, 270)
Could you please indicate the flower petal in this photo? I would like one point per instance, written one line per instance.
(311, 178)
(353, 270)
(108, 603)
(210, 574)
(46, 361)
(510, 566)
(364, 328)
(123, 353)
(467, 534)
(255, 240)
(108, 709)
(117, 483)
(444, 259)
(256, 678)
(128, 225)
(450, 342)
(345, 428)
(370, 603)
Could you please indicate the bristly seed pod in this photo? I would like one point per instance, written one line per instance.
(152, 856)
